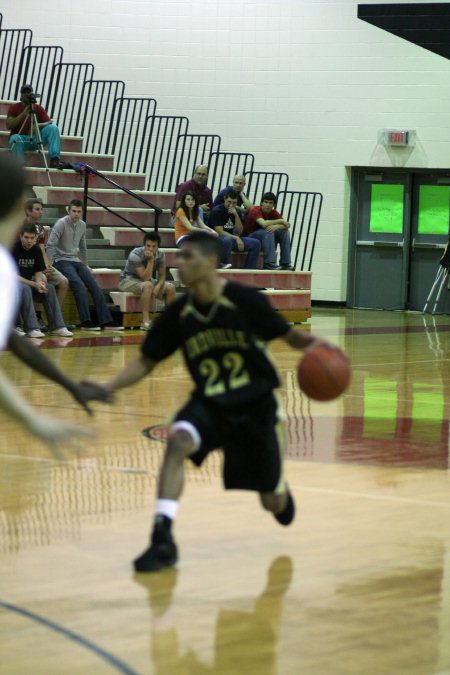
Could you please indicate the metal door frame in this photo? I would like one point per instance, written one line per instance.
(411, 173)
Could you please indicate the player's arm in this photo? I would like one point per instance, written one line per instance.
(33, 357)
(48, 429)
(132, 373)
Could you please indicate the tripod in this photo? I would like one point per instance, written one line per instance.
(438, 285)
(35, 135)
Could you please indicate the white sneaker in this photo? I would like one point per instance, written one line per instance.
(112, 327)
(226, 267)
(61, 332)
(145, 325)
(35, 334)
(19, 330)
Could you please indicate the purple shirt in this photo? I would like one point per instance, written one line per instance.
(202, 192)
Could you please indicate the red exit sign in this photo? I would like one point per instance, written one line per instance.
(397, 137)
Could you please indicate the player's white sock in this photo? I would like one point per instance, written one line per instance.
(167, 507)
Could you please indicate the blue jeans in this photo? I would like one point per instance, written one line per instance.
(251, 245)
(269, 241)
(51, 306)
(21, 143)
(80, 278)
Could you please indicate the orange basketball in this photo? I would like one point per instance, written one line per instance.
(323, 373)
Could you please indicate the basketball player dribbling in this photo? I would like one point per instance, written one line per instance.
(222, 328)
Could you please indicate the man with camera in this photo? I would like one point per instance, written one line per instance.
(24, 137)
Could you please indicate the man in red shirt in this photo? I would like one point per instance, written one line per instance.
(266, 224)
(22, 138)
(198, 186)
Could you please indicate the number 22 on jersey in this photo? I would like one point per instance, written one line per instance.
(234, 377)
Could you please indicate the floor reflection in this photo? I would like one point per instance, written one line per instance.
(244, 641)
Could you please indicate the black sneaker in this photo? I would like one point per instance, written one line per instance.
(288, 268)
(162, 551)
(288, 514)
(88, 325)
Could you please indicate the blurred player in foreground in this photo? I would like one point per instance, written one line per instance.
(48, 429)
(221, 328)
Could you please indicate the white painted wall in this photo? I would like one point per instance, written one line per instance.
(302, 84)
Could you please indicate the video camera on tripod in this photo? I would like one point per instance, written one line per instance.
(33, 97)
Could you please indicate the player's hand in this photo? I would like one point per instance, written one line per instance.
(320, 342)
(90, 391)
(240, 244)
(55, 433)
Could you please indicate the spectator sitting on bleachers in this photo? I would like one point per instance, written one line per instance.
(145, 275)
(18, 122)
(187, 218)
(33, 214)
(67, 251)
(227, 223)
(270, 228)
(198, 186)
(243, 202)
(34, 288)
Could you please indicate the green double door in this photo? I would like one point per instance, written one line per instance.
(399, 227)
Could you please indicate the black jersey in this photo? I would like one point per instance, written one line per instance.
(223, 343)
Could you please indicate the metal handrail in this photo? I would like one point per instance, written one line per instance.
(12, 43)
(307, 205)
(86, 170)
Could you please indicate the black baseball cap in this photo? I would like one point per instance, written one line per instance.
(26, 88)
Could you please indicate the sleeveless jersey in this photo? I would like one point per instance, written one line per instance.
(223, 343)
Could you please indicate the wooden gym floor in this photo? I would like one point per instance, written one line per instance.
(359, 584)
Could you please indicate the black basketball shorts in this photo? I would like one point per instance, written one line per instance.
(253, 441)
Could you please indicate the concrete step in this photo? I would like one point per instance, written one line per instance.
(109, 197)
(128, 302)
(107, 277)
(97, 259)
(128, 236)
(92, 241)
(73, 180)
(142, 217)
(100, 162)
(68, 143)
(4, 105)
(281, 280)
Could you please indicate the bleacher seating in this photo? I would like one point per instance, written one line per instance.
(148, 154)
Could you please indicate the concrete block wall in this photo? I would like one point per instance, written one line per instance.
(302, 84)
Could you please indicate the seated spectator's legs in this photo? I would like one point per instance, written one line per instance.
(50, 136)
(80, 277)
(268, 247)
(70, 271)
(253, 246)
(51, 306)
(26, 308)
(227, 246)
(55, 278)
(142, 288)
(20, 144)
(283, 239)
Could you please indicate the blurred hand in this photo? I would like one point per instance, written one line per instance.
(90, 391)
(240, 244)
(57, 432)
